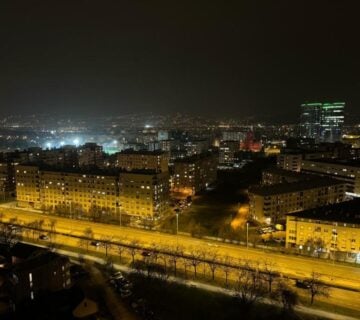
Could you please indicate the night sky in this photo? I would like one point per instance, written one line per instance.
(229, 58)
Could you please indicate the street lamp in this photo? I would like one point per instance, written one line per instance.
(119, 209)
(247, 235)
(177, 228)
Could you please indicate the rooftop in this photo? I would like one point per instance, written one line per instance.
(348, 211)
(344, 162)
(195, 157)
(143, 152)
(298, 186)
(288, 173)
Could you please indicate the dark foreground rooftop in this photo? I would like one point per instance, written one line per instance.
(297, 186)
(348, 212)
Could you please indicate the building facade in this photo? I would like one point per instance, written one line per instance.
(98, 195)
(346, 171)
(322, 121)
(273, 176)
(7, 179)
(144, 194)
(143, 160)
(227, 151)
(327, 230)
(91, 155)
(193, 174)
(270, 203)
(289, 161)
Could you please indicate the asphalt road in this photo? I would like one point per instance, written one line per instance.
(293, 266)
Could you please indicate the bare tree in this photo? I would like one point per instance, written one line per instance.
(106, 243)
(317, 287)
(88, 236)
(213, 262)
(269, 273)
(155, 249)
(120, 249)
(195, 258)
(52, 225)
(249, 288)
(227, 267)
(176, 253)
(288, 297)
(8, 235)
(133, 248)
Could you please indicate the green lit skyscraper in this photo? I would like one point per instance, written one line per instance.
(322, 121)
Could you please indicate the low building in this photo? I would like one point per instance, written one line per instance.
(144, 194)
(270, 203)
(326, 230)
(39, 273)
(347, 171)
(143, 160)
(193, 174)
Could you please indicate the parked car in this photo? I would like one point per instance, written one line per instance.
(146, 253)
(125, 293)
(303, 284)
(117, 275)
(44, 237)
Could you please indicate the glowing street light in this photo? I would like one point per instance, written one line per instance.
(76, 141)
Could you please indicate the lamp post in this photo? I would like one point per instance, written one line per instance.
(119, 209)
(247, 235)
(177, 228)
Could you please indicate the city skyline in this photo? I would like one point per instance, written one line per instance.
(179, 160)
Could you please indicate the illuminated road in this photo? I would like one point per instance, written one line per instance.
(334, 274)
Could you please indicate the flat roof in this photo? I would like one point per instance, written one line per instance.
(288, 173)
(195, 157)
(281, 188)
(344, 162)
(348, 211)
(144, 152)
(113, 172)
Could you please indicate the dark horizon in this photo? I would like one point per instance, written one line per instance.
(239, 59)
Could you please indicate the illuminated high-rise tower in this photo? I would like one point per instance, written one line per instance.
(322, 121)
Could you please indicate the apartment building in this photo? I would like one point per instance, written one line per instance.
(28, 185)
(270, 203)
(193, 174)
(347, 171)
(144, 193)
(7, 179)
(143, 160)
(275, 175)
(328, 229)
(91, 155)
(95, 194)
(289, 161)
(80, 193)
